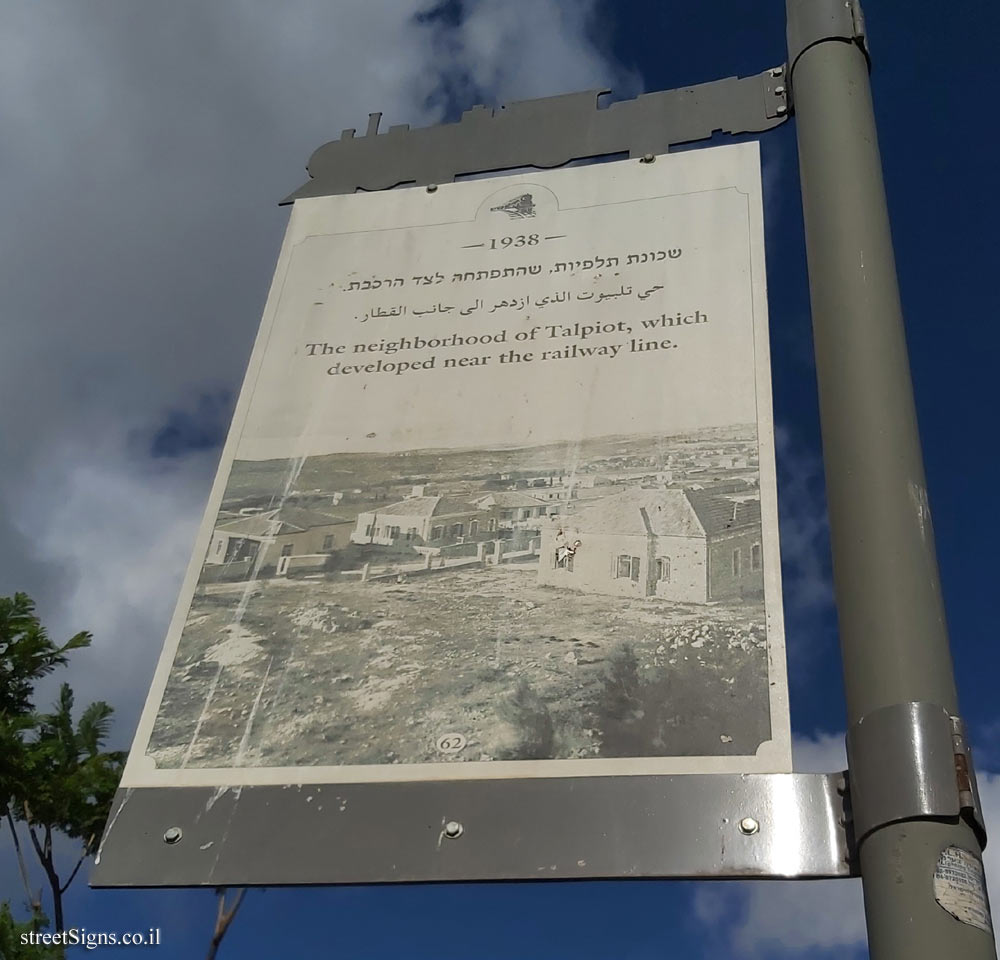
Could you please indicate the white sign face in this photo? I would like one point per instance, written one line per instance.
(499, 495)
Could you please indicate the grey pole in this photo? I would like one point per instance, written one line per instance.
(892, 627)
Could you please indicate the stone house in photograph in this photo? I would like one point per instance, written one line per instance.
(555, 493)
(510, 507)
(676, 544)
(281, 533)
(423, 520)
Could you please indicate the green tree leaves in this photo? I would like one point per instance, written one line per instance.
(71, 779)
(55, 776)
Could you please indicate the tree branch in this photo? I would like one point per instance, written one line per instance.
(223, 919)
(45, 857)
(35, 902)
(34, 839)
(79, 863)
(50, 870)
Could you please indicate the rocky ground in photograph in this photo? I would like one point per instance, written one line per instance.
(327, 672)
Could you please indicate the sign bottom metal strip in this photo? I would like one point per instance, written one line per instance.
(753, 825)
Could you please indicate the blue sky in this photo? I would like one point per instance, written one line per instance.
(146, 149)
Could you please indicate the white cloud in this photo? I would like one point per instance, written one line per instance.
(784, 917)
(808, 586)
(127, 527)
(821, 753)
(989, 796)
(527, 48)
(147, 146)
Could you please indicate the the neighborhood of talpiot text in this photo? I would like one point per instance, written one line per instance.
(576, 341)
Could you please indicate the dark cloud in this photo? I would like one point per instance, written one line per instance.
(186, 430)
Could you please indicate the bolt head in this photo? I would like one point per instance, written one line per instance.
(777, 71)
(779, 90)
(431, 187)
(782, 109)
(453, 829)
(648, 158)
(749, 826)
(172, 834)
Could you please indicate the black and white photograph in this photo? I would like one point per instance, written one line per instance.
(479, 604)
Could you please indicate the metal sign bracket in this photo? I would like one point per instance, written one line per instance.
(548, 132)
(694, 825)
(928, 773)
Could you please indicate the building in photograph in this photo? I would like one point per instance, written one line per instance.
(281, 533)
(510, 507)
(555, 493)
(423, 520)
(676, 544)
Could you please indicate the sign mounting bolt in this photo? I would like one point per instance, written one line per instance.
(648, 158)
(431, 187)
(172, 834)
(453, 829)
(749, 826)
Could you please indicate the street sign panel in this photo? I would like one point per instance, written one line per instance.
(498, 504)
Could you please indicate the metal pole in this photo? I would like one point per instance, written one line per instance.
(892, 628)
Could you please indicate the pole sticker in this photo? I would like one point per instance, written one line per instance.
(960, 887)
